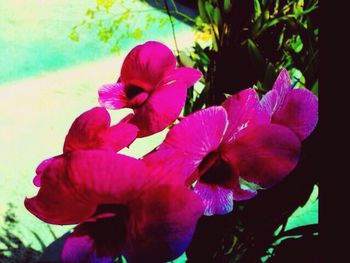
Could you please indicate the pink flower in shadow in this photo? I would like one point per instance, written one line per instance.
(295, 108)
(151, 85)
(227, 152)
(119, 209)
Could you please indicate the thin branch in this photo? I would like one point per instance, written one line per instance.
(173, 31)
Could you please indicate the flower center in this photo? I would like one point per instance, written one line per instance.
(108, 228)
(216, 172)
(136, 96)
(132, 91)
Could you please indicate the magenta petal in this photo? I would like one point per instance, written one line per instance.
(86, 130)
(188, 142)
(106, 176)
(243, 109)
(217, 200)
(282, 83)
(39, 170)
(184, 74)
(120, 135)
(269, 102)
(264, 154)
(146, 64)
(99, 241)
(169, 164)
(161, 224)
(199, 133)
(299, 112)
(112, 96)
(159, 111)
(56, 202)
(72, 186)
(295, 108)
(274, 99)
(91, 131)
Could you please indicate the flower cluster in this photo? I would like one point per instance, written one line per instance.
(146, 209)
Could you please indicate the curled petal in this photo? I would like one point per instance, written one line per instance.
(119, 136)
(161, 109)
(39, 170)
(295, 108)
(146, 64)
(91, 131)
(243, 109)
(299, 112)
(217, 200)
(112, 96)
(73, 185)
(161, 224)
(184, 74)
(86, 129)
(264, 154)
(57, 202)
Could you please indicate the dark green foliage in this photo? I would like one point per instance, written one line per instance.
(12, 249)
(252, 40)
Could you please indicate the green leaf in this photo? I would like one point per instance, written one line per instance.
(107, 4)
(314, 88)
(217, 17)
(39, 239)
(105, 33)
(209, 10)
(270, 76)
(308, 214)
(256, 26)
(275, 21)
(73, 35)
(227, 6)
(90, 13)
(281, 38)
(185, 59)
(301, 230)
(297, 44)
(255, 56)
(202, 12)
(257, 9)
(116, 48)
(136, 34)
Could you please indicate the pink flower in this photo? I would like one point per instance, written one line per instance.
(228, 151)
(295, 108)
(118, 208)
(152, 85)
(92, 130)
